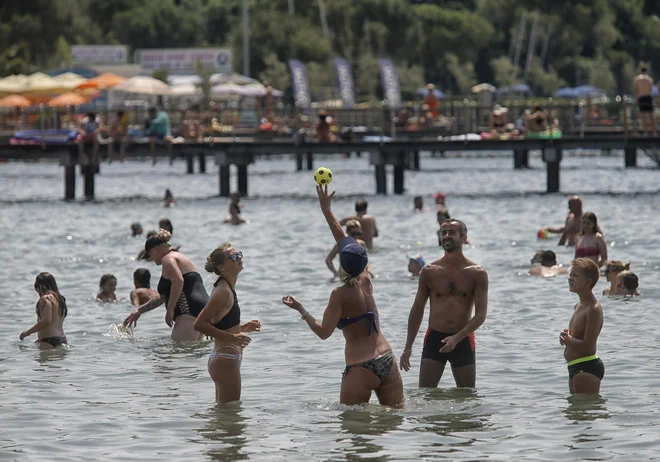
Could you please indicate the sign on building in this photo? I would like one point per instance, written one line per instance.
(99, 54)
(184, 59)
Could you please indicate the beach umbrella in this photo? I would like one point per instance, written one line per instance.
(567, 92)
(15, 101)
(68, 81)
(185, 89)
(424, 91)
(519, 88)
(483, 87)
(143, 85)
(102, 82)
(587, 90)
(231, 89)
(40, 83)
(67, 99)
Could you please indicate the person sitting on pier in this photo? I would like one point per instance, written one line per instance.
(322, 131)
(549, 267)
(536, 121)
(118, 135)
(369, 229)
(571, 229)
(498, 121)
(159, 130)
(89, 129)
(235, 207)
(643, 89)
(431, 100)
(169, 200)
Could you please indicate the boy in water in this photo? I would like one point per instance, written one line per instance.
(585, 369)
(627, 284)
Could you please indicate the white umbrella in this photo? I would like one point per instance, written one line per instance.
(231, 89)
(143, 85)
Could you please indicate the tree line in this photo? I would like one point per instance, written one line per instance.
(452, 43)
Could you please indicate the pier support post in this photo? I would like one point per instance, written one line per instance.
(242, 180)
(191, 163)
(89, 173)
(69, 182)
(631, 157)
(224, 180)
(398, 179)
(299, 162)
(310, 161)
(552, 158)
(202, 163)
(520, 159)
(416, 161)
(381, 180)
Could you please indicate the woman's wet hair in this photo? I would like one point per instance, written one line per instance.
(591, 217)
(142, 277)
(105, 278)
(354, 228)
(216, 258)
(347, 278)
(616, 266)
(45, 284)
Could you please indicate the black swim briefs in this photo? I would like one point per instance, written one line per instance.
(645, 103)
(462, 355)
(593, 366)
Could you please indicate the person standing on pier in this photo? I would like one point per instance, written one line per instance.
(454, 284)
(159, 130)
(643, 89)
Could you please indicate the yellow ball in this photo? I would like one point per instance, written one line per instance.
(323, 176)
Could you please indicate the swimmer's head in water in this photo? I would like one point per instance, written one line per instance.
(584, 274)
(157, 246)
(224, 261)
(166, 224)
(108, 283)
(418, 202)
(453, 234)
(538, 257)
(589, 223)
(548, 258)
(354, 228)
(142, 278)
(136, 229)
(629, 281)
(352, 257)
(415, 264)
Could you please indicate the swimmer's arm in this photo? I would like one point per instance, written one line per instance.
(417, 311)
(151, 304)
(602, 247)
(217, 307)
(328, 260)
(480, 304)
(45, 316)
(173, 273)
(593, 323)
(331, 315)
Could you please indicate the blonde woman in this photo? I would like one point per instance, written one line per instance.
(51, 311)
(221, 319)
(180, 287)
(370, 363)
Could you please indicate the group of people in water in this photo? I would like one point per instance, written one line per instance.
(456, 286)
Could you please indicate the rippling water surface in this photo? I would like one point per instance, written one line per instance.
(113, 396)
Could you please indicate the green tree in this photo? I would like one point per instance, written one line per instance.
(275, 73)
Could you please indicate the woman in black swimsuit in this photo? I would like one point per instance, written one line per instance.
(180, 287)
(51, 311)
(221, 319)
(370, 363)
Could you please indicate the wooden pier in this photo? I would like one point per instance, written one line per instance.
(402, 155)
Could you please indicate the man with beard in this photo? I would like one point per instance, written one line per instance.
(454, 284)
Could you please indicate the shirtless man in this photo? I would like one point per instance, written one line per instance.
(585, 369)
(549, 267)
(454, 284)
(369, 229)
(573, 226)
(643, 89)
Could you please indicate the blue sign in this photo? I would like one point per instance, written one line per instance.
(345, 80)
(389, 79)
(301, 91)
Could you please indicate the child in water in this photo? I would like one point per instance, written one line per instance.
(108, 284)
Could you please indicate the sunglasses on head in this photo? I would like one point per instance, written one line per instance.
(235, 256)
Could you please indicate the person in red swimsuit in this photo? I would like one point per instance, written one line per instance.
(591, 243)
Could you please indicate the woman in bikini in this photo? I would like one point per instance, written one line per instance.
(51, 311)
(221, 319)
(591, 243)
(370, 363)
(612, 270)
(180, 287)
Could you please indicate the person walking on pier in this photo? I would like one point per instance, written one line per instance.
(454, 284)
(643, 89)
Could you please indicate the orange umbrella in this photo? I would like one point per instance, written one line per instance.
(15, 101)
(67, 99)
(102, 82)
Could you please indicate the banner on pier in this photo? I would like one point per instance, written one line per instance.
(346, 83)
(301, 91)
(389, 79)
